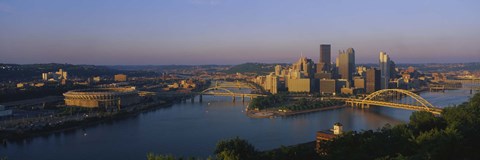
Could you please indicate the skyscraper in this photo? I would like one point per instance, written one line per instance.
(271, 83)
(324, 61)
(373, 80)
(299, 78)
(393, 71)
(385, 65)
(346, 64)
(278, 70)
(305, 66)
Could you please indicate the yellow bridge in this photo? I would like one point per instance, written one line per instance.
(224, 89)
(393, 98)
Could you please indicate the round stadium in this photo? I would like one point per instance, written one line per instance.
(102, 97)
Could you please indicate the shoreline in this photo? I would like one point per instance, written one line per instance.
(136, 109)
(72, 125)
(268, 114)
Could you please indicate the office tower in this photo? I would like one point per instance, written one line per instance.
(300, 75)
(393, 70)
(346, 64)
(328, 86)
(323, 76)
(278, 70)
(385, 66)
(373, 80)
(300, 85)
(305, 66)
(324, 61)
(271, 83)
(359, 82)
(361, 70)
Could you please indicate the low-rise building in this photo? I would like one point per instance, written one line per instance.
(328, 86)
(299, 85)
(120, 78)
(359, 82)
(54, 76)
(327, 135)
(352, 91)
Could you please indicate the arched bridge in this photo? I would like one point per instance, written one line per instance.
(240, 85)
(225, 90)
(394, 98)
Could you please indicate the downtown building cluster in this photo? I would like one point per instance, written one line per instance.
(327, 78)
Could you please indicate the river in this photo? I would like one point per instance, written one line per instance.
(193, 129)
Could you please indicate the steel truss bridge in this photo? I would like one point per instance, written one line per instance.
(393, 98)
(445, 86)
(465, 81)
(225, 89)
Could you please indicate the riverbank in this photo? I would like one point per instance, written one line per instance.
(15, 135)
(18, 129)
(270, 114)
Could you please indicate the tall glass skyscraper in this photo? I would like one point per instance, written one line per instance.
(373, 80)
(324, 61)
(385, 64)
(346, 64)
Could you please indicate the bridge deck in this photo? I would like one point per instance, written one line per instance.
(234, 94)
(389, 104)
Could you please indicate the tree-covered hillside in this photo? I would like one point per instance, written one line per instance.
(28, 72)
(258, 68)
(453, 135)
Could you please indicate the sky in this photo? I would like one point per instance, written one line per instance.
(163, 32)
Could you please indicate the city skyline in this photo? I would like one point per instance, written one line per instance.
(234, 32)
(239, 79)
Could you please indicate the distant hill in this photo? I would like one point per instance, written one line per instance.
(28, 72)
(436, 67)
(258, 68)
(444, 67)
(163, 68)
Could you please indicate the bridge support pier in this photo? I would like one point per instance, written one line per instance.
(243, 98)
(193, 99)
(200, 98)
(233, 98)
(365, 106)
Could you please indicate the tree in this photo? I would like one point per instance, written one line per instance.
(425, 121)
(453, 135)
(151, 156)
(439, 144)
(235, 149)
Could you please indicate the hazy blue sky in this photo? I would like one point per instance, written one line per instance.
(236, 31)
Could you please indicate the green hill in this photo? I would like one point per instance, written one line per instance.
(28, 72)
(257, 68)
